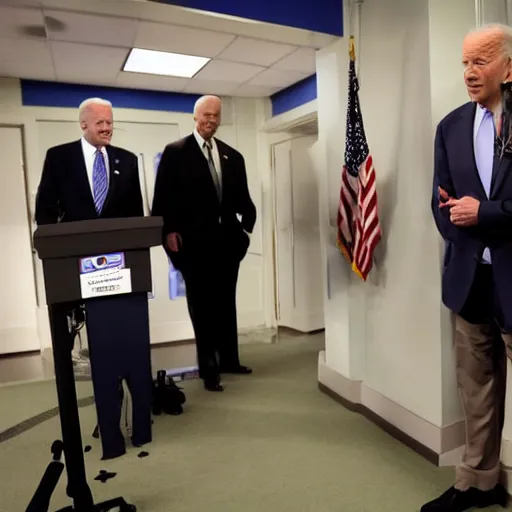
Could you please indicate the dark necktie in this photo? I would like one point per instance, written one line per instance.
(213, 172)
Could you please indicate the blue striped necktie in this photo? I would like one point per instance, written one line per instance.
(99, 181)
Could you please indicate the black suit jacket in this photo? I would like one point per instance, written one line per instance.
(186, 198)
(64, 193)
(456, 172)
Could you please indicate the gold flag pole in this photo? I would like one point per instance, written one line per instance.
(352, 48)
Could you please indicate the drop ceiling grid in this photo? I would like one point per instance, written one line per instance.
(244, 65)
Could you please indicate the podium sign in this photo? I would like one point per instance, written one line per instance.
(103, 275)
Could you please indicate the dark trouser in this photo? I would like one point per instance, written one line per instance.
(481, 347)
(118, 332)
(210, 281)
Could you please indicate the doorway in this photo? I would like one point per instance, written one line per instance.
(297, 244)
(18, 325)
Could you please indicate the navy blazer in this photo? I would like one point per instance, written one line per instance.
(64, 193)
(456, 172)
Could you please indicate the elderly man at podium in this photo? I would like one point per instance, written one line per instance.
(90, 179)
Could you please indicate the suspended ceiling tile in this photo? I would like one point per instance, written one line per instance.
(255, 91)
(85, 62)
(277, 78)
(255, 51)
(151, 82)
(303, 60)
(228, 71)
(87, 28)
(215, 87)
(176, 39)
(26, 58)
(21, 23)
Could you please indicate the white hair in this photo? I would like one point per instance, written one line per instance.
(504, 29)
(86, 104)
(202, 100)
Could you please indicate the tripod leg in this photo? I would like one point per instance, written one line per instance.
(70, 422)
(41, 499)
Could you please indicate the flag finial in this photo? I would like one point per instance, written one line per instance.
(352, 48)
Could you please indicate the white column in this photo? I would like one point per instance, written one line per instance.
(344, 302)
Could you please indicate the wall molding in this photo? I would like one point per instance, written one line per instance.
(439, 445)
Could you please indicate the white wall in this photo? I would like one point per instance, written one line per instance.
(392, 335)
(239, 131)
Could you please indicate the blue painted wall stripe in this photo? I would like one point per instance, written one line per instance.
(294, 96)
(55, 94)
(325, 16)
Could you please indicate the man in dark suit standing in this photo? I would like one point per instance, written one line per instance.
(90, 179)
(200, 190)
(472, 207)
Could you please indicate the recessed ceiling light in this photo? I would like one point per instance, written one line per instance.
(163, 63)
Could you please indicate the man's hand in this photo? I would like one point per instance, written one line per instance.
(443, 197)
(174, 242)
(464, 211)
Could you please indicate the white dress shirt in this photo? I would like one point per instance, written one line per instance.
(89, 152)
(215, 153)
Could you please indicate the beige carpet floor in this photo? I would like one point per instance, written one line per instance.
(271, 442)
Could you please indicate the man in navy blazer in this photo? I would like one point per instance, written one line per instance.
(67, 189)
(472, 207)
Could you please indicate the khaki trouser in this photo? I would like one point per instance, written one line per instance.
(481, 377)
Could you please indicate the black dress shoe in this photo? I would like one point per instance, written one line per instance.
(238, 370)
(213, 386)
(454, 500)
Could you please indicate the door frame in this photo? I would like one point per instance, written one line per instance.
(281, 138)
(24, 158)
(274, 140)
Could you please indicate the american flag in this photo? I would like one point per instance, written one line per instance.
(358, 222)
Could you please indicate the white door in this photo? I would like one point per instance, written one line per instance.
(298, 250)
(18, 325)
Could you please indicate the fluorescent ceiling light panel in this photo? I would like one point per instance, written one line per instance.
(163, 63)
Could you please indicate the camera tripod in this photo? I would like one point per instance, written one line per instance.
(71, 443)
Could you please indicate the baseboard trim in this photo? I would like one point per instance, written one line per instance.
(393, 431)
(439, 445)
